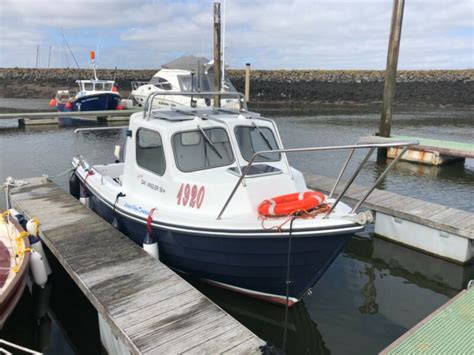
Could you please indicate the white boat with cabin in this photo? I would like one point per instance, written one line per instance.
(185, 74)
(200, 181)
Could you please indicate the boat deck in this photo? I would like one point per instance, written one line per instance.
(449, 330)
(146, 305)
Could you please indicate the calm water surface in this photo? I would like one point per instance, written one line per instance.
(374, 291)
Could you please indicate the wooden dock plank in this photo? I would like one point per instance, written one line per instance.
(148, 306)
(443, 218)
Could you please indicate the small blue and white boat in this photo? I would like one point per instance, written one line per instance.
(201, 181)
(93, 95)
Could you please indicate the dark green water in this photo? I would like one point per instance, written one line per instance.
(374, 291)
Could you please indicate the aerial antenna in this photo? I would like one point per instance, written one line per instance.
(49, 58)
(223, 47)
(199, 76)
(37, 55)
(97, 52)
(70, 50)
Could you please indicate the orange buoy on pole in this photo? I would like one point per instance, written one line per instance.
(92, 55)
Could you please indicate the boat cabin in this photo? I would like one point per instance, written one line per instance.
(186, 81)
(95, 85)
(194, 157)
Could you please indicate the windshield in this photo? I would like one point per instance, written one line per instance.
(228, 86)
(186, 84)
(161, 83)
(253, 139)
(202, 149)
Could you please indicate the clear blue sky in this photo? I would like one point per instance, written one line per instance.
(301, 34)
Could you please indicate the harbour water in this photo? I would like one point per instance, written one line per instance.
(374, 291)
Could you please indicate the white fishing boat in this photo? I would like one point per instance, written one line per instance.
(185, 74)
(214, 188)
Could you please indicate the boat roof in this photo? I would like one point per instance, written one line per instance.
(176, 118)
(173, 71)
(188, 62)
(95, 81)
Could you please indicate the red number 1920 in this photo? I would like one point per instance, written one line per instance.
(191, 195)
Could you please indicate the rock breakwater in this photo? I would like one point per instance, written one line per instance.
(444, 87)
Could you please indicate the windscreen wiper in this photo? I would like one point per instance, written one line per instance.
(208, 141)
(263, 136)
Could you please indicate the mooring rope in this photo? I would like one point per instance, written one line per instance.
(288, 260)
(60, 174)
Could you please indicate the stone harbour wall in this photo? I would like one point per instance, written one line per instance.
(438, 87)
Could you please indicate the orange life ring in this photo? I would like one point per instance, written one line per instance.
(287, 204)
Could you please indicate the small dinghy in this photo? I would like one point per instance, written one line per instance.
(14, 259)
(214, 189)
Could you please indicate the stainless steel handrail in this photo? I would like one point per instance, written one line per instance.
(147, 107)
(78, 130)
(372, 147)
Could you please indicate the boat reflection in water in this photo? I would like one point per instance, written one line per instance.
(268, 321)
(423, 270)
(366, 292)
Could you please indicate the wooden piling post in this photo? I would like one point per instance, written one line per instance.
(247, 82)
(391, 70)
(217, 53)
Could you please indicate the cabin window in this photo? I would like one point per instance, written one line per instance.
(202, 149)
(99, 87)
(107, 86)
(88, 86)
(253, 139)
(161, 83)
(150, 154)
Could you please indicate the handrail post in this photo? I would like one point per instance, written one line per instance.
(351, 180)
(341, 172)
(246, 170)
(313, 149)
(380, 178)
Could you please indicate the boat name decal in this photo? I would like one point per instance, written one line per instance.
(152, 186)
(136, 208)
(191, 195)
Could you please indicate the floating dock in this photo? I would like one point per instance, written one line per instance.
(435, 229)
(43, 118)
(449, 330)
(429, 151)
(143, 306)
